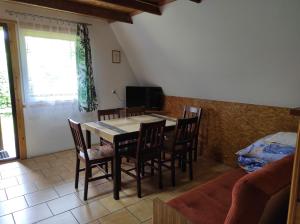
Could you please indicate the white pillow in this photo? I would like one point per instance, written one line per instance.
(283, 138)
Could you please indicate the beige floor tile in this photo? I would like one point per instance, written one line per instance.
(28, 162)
(128, 199)
(53, 171)
(44, 159)
(3, 195)
(67, 188)
(111, 204)
(95, 222)
(53, 177)
(9, 166)
(48, 182)
(119, 217)
(90, 212)
(12, 205)
(94, 183)
(142, 210)
(63, 204)
(64, 218)
(99, 191)
(8, 182)
(20, 190)
(32, 214)
(12, 172)
(29, 177)
(41, 196)
(67, 175)
(7, 219)
(164, 196)
(42, 165)
(150, 221)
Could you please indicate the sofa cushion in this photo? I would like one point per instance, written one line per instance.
(208, 203)
(252, 192)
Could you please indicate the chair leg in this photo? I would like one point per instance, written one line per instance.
(183, 162)
(195, 153)
(180, 162)
(120, 179)
(143, 169)
(152, 167)
(160, 184)
(191, 164)
(173, 171)
(116, 177)
(77, 173)
(138, 180)
(86, 182)
(112, 168)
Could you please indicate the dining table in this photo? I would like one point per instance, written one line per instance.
(108, 129)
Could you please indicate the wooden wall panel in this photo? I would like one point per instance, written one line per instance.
(228, 127)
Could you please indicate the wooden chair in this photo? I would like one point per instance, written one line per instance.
(108, 114)
(188, 112)
(134, 111)
(94, 157)
(148, 150)
(181, 147)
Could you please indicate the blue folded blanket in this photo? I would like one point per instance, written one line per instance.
(250, 164)
(261, 153)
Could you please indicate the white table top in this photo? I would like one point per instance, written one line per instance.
(107, 129)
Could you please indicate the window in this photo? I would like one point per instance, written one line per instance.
(51, 67)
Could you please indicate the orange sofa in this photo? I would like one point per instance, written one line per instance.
(233, 198)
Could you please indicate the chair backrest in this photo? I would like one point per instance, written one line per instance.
(124, 143)
(109, 114)
(185, 131)
(78, 138)
(134, 111)
(150, 141)
(190, 111)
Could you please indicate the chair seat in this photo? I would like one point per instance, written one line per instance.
(105, 142)
(99, 152)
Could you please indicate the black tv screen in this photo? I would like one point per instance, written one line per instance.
(149, 97)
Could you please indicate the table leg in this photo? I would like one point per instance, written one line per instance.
(117, 173)
(88, 139)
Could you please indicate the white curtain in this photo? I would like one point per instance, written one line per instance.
(46, 113)
(48, 56)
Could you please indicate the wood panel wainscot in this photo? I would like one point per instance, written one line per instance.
(227, 127)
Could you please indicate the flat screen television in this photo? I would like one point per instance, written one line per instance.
(149, 97)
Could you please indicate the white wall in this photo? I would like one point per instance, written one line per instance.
(46, 127)
(231, 50)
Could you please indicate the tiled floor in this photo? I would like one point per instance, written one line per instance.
(41, 190)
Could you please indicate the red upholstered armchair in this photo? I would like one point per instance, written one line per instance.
(233, 198)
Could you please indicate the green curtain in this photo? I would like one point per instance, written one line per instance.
(87, 99)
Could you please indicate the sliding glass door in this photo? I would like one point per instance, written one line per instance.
(8, 125)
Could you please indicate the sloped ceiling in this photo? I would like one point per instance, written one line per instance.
(231, 50)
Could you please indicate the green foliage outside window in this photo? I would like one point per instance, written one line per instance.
(5, 102)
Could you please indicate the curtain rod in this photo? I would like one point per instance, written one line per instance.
(10, 12)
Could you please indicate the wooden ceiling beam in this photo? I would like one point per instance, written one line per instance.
(137, 4)
(76, 7)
